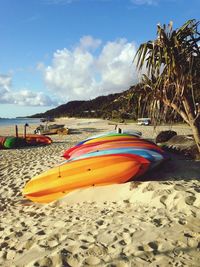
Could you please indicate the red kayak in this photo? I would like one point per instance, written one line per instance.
(2, 140)
(36, 139)
(86, 148)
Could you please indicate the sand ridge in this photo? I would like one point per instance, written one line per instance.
(150, 223)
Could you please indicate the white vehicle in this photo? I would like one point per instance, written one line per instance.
(144, 121)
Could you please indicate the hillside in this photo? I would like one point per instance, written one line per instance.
(113, 105)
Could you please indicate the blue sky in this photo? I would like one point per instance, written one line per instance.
(55, 51)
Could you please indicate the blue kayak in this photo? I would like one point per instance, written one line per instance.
(153, 156)
(133, 151)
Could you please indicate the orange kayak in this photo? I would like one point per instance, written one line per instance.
(100, 170)
(34, 139)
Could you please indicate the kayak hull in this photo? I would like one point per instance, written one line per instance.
(99, 170)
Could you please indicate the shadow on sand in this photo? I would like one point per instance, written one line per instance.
(87, 130)
(176, 168)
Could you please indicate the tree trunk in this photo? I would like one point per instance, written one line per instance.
(195, 125)
(188, 118)
(196, 133)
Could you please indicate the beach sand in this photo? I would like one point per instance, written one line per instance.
(151, 222)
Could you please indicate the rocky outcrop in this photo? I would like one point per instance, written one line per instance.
(164, 136)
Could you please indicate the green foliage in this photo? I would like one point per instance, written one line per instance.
(172, 62)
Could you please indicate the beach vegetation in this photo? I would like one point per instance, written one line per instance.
(171, 72)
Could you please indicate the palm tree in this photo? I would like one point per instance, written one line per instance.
(172, 63)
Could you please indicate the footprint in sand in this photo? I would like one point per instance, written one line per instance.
(157, 222)
(163, 199)
(189, 200)
(179, 187)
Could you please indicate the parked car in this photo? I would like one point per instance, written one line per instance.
(144, 121)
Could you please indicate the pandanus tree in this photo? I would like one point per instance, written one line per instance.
(172, 66)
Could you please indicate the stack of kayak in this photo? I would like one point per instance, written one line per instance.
(20, 141)
(104, 159)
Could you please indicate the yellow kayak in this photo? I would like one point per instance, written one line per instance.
(111, 138)
(100, 170)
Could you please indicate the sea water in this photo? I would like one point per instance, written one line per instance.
(18, 121)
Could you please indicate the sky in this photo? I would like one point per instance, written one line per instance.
(56, 51)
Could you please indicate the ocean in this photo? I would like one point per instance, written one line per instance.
(18, 121)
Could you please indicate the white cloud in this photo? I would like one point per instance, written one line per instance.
(90, 69)
(22, 97)
(5, 84)
(81, 74)
(28, 98)
(115, 66)
(89, 42)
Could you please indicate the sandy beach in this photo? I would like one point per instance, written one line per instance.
(154, 221)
